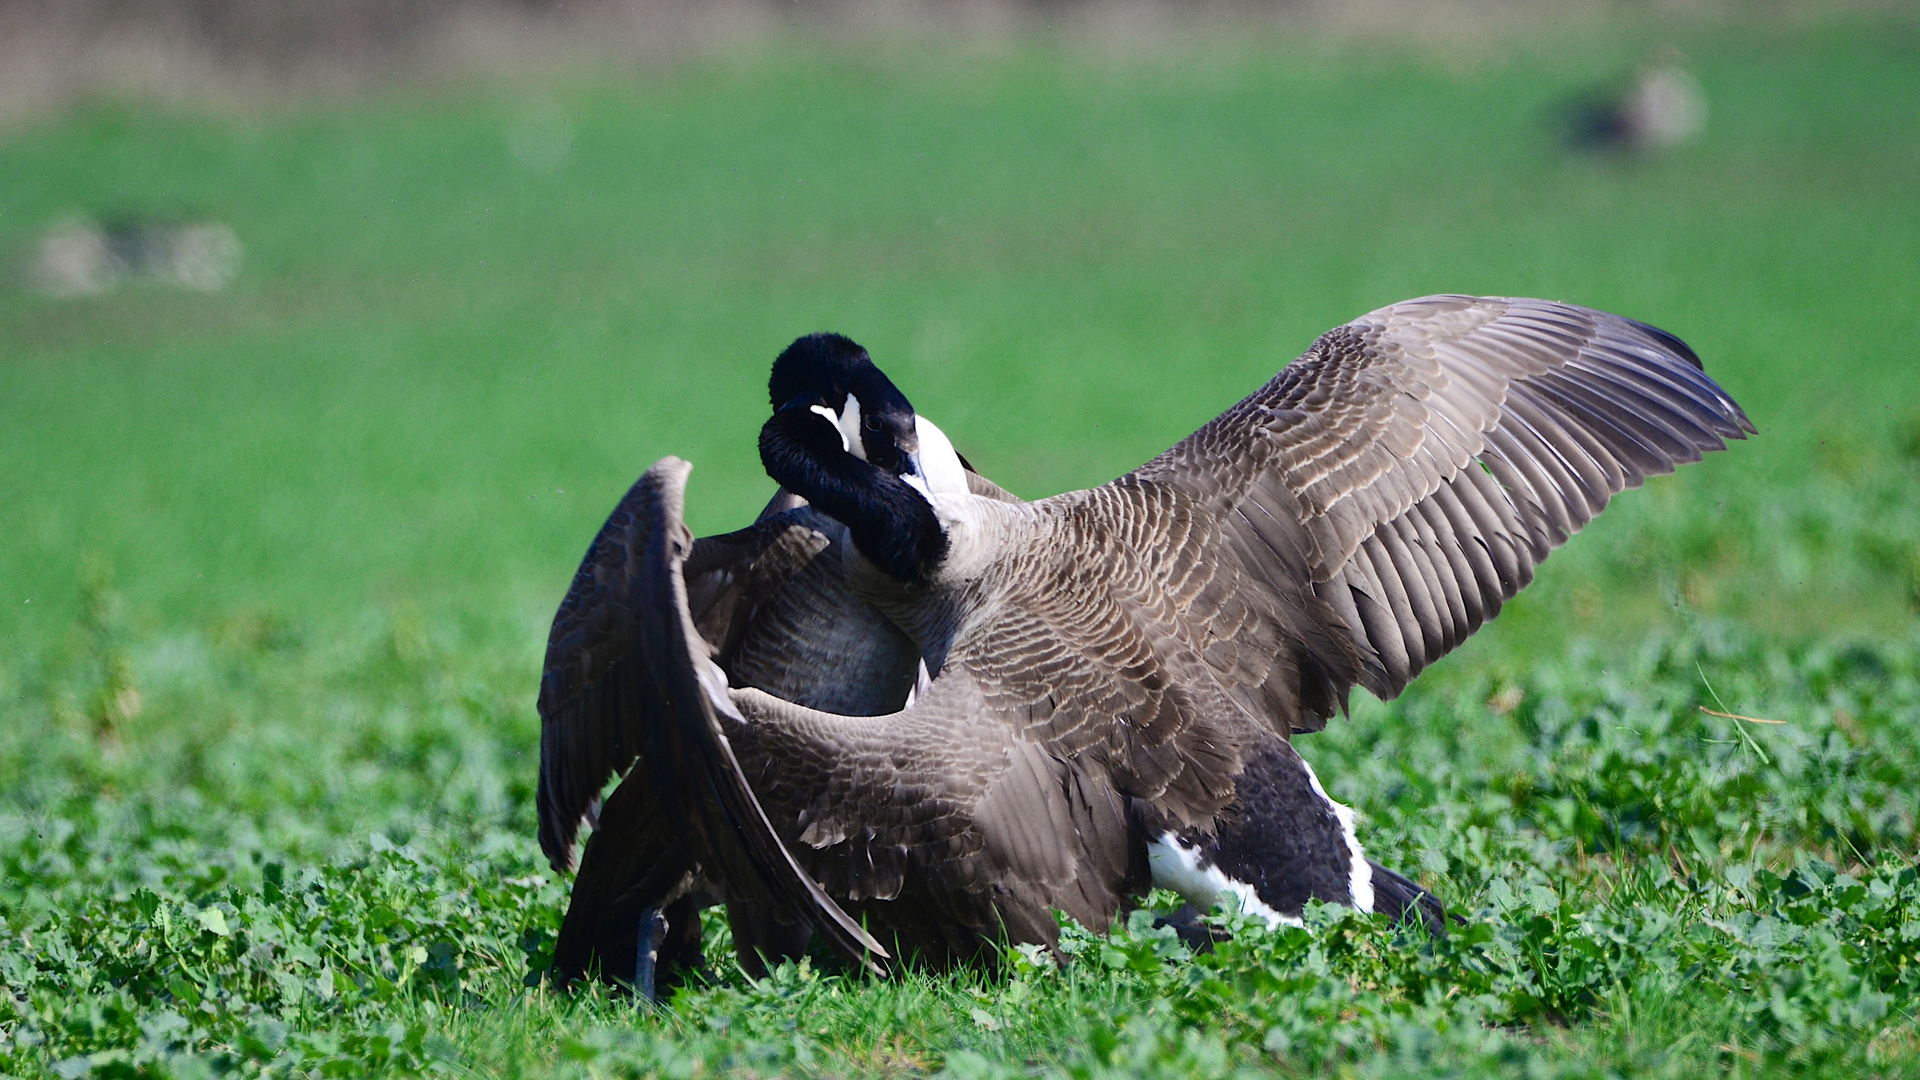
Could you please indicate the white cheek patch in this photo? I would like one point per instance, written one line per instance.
(823, 411)
(1178, 869)
(1360, 872)
(850, 428)
(938, 460)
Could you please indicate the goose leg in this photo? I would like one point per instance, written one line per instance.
(653, 930)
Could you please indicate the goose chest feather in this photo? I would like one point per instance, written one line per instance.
(913, 714)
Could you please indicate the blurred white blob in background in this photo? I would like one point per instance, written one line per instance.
(81, 257)
(1667, 107)
(1661, 108)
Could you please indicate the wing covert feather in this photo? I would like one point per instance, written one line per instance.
(1384, 494)
(941, 815)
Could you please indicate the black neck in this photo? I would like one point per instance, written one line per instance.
(891, 523)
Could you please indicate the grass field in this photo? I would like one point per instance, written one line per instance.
(275, 562)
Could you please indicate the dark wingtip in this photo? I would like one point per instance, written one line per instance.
(1673, 344)
(1681, 349)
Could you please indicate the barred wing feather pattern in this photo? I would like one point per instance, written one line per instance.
(1402, 479)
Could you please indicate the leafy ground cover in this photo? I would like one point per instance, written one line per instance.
(323, 866)
(274, 562)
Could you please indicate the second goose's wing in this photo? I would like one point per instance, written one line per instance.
(939, 827)
(944, 825)
(1384, 494)
(597, 697)
(687, 801)
(769, 603)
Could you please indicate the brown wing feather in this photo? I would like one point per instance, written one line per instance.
(690, 763)
(597, 698)
(940, 826)
(594, 695)
(1383, 495)
(770, 603)
(1087, 655)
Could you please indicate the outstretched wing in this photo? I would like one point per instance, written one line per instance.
(1387, 492)
(768, 601)
(597, 697)
(690, 763)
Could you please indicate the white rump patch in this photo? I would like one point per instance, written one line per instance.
(1360, 873)
(1178, 868)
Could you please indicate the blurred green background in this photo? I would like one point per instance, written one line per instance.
(467, 318)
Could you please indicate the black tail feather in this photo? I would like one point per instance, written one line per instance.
(1405, 901)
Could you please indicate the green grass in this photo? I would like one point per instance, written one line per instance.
(274, 563)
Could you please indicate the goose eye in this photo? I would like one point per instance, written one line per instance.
(873, 423)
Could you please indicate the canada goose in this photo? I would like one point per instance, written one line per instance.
(1116, 673)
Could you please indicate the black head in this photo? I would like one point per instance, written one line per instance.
(833, 378)
(844, 437)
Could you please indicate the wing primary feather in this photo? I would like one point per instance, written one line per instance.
(1536, 502)
(1480, 583)
(1580, 479)
(1419, 621)
(1668, 342)
(1434, 534)
(691, 761)
(1656, 390)
(1647, 434)
(1384, 612)
(1696, 389)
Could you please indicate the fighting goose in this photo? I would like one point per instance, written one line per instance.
(1116, 673)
